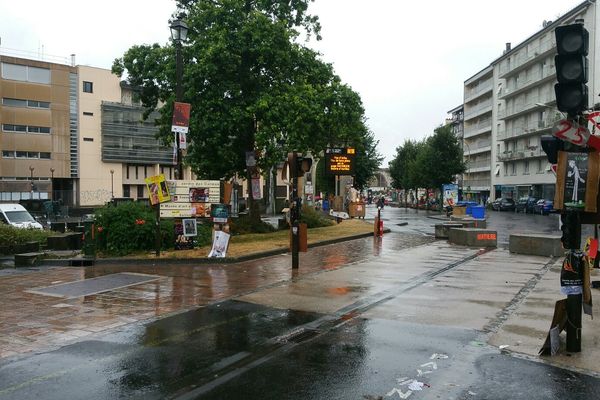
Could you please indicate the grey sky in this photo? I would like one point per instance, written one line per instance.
(407, 59)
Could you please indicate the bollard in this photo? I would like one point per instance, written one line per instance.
(89, 244)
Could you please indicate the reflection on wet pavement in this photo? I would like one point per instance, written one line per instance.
(33, 322)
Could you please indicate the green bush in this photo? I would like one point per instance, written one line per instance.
(204, 237)
(10, 237)
(313, 218)
(129, 227)
(243, 225)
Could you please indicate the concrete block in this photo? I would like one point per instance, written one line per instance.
(27, 259)
(537, 244)
(65, 241)
(441, 230)
(473, 237)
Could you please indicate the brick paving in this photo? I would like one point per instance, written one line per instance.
(32, 322)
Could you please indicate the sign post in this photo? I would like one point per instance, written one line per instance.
(158, 192)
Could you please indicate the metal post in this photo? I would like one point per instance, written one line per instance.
(112, 188)
(574, 301)
(158, 240)
(179, 98)
(295, 224)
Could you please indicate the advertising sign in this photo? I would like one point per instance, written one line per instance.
(575, 179)
(190, 228)
(191, 198)
(181, 117)
(340, 161)
(450, 194)
(182, 241)
(220, 244)
(158, 191)
(219, 213)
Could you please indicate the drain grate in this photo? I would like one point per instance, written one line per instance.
(92, 286)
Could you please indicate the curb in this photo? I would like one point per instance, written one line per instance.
(204, 260)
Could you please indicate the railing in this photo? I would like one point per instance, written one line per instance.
(523, 58)
(478, 164)
(477, 183)
(486, 124)
(518, 108)
(533, 78)
(478, 108)
(486, 86)
(532, 127)
(519, 154)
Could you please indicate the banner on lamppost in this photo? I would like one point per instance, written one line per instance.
(181, 117)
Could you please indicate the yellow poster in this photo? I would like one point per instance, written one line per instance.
(157, 189)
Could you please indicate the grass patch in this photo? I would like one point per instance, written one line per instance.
(242, 245)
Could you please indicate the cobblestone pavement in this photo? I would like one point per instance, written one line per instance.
(31, 322)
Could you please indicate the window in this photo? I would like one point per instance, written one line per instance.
(33, 154)
(44, 155)
(126, 192)
(21, 154)
(14, 128)
(14, 102)
(526, 170)
(505, 169)
(25, 73)
(8, 154)
(540, 166)
(140, 191)
(37, 104)
(88, 139)
(513, 168)
(89, 114)
(38, 129)
(88, 87)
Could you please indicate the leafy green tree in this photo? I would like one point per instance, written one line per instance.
(404, 169)
(251, 86)
(441, 159)
(367, 160)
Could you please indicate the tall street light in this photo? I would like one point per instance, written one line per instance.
(112, 189)
(31, 177)
(179, 30)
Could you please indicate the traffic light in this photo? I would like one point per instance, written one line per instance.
(572, 42)
(298, 164)
(551, 146)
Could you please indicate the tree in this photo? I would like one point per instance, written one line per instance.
(251, 85)
(367, 160)
(441, 159)
(403, 168)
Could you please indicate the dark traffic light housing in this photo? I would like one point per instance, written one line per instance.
(572, 43)
(298, 164)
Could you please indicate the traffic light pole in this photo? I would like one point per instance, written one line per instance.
(572, 242)
(295, 216)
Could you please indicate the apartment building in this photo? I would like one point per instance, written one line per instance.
(509, 105)
(477, 136)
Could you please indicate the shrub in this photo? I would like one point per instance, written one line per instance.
(127, 227)
(313, 218)
(10, 237)
(244, 225)
(204, 237)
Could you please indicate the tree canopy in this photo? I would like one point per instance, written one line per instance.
(251, 85)
(429, 163)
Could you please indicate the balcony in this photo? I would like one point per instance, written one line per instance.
(521, 154)
(479, 109)
(477, 184)
(478, 128)
(478, 147)
(522, 59)
(523, 108)
(483, 87)
(532, 128)
(532, 80)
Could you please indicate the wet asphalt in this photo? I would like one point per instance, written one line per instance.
(237, 350)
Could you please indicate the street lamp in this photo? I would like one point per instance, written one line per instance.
(31, 177)
(52, 183)
(179, 30)
(112, 190)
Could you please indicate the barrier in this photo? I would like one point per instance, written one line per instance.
(535, 244)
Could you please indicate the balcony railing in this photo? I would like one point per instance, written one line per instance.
(520, 154)
(523, 107)
(531, 128)
(522, 58)
(481, 107)
(478, 164)
(477, 183)
(483, 87)
(531, 79)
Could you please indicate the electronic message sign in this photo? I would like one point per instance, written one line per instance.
(340, 160)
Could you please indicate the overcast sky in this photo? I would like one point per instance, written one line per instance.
(407, 59)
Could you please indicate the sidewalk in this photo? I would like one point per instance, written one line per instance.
(508, 298)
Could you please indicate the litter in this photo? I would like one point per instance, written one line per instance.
(416, 385)
(503, 346)
(437, 356)
(472, 393)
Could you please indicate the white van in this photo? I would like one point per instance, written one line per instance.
(17, 216)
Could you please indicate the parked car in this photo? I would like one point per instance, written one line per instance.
(544, 207)
(525, 204)
(17, 216)
(496, 204)
(507, 205)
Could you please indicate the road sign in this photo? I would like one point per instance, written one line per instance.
(340, 160)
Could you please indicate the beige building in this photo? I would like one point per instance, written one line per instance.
(37, 130)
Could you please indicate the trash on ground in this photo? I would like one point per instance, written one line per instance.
(416, 385)
(503, 346)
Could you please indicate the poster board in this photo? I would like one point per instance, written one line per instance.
(340, 160)
(191, 198)
(450, 194)
(158, 191)
(577, 178)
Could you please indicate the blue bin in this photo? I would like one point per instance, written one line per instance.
(478, 212)
(325, 205)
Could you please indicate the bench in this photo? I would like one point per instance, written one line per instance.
(473, 237)
(536, 244)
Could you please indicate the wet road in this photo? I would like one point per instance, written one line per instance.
(388, 331)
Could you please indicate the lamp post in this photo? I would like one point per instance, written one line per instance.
(179, 31)
(52, 183)
(31, 178)
(112, 188)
